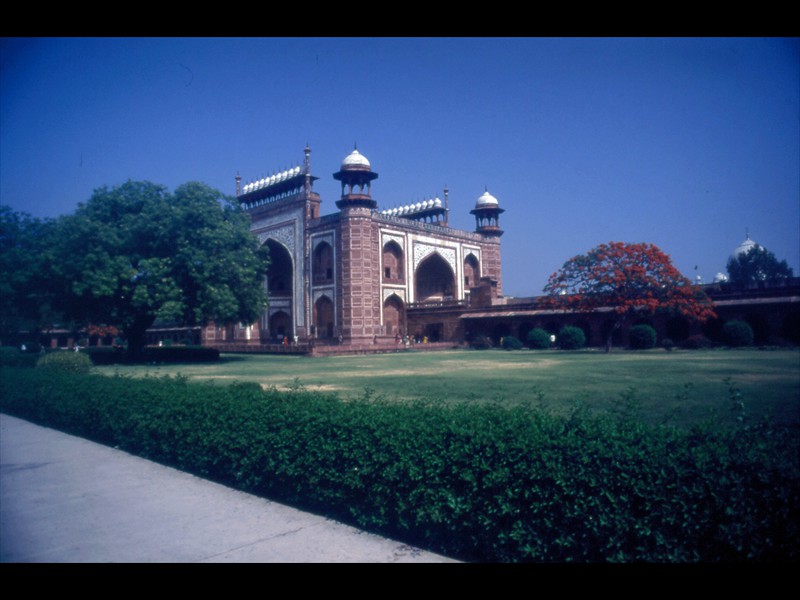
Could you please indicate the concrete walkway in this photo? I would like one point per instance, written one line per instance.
(67, 500)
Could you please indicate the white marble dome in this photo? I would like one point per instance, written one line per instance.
(744, 247)
(486, 200)
(355, 160)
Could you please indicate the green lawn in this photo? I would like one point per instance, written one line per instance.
(679, 387)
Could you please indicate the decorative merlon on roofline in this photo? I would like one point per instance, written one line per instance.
(431, 210)
(414, 207)
(271, 180)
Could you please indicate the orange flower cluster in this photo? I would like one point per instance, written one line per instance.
(102, 330)
(631, 279)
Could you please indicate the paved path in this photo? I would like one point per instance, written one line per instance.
(67, 500)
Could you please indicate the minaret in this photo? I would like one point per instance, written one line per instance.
(312, 199)
(446, 206)
(358, 250)
(307, 169)
(487, 222)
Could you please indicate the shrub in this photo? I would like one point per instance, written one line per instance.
(571, 338)
(174, 354)
(642, 337)
(166, 354)
(509, 342)
(668, 344)
(14, 357)
(538, 339)
(737, 333)
(65, 362)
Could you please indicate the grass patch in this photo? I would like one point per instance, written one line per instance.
(679, 387)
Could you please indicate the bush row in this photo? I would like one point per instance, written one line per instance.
(480, 482)
(640, 337)
(107, 355)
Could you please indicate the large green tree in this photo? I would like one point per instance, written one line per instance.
(630, 280)
(757, 265)
(136, 253)
(26, 284)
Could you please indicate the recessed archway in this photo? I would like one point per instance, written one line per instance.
(280, 272)
(280, 325)
(393, 263)
(472, 271)
(394, 317)
(323, 317)
(322, 264)
(435, 280)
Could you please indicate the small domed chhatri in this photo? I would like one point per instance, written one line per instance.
(487, 215)
(356, 176)
(355, 160)
(486, 199)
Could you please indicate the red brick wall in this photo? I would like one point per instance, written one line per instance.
(358, 296)
(491, 266)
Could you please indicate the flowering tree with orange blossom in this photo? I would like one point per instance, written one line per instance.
(633, 280)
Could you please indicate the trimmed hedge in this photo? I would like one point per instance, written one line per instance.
(509, 342)
(571, 338)
(538, 339)
(65, 361)
(107, 355)
(642, 337)
(481, 482)
(11, 356)
(737, 333)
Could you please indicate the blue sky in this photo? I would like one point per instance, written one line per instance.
(685, 143)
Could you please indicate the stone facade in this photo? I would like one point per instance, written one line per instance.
(361, 279)
(356, 277)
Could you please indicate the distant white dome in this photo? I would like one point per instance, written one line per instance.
(744, 247)
(437, 203)
(720, 278)
(485, 200)
(355, 160)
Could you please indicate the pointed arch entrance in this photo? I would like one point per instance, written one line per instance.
(472, 271)
(393, 263)
(394, 315)
(280, 272)
(322, 264)
(280, 289)
(280, 325)
(323, 317)
(434, 280)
